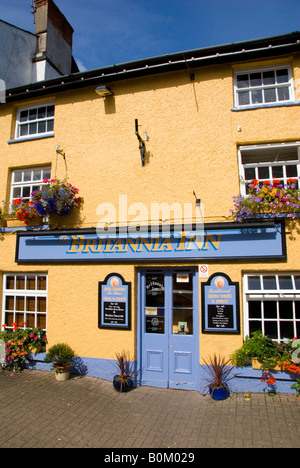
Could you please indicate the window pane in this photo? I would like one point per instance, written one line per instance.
(291, 171)
(24, 116)
(297, 281)
(286, 309)
(268, 78)
(254, 309)
(31, 282)
(250, 173)
(270, 95)
(297, 309)
(254, 282)
(20, 282)
(287, 329)
(9, 319)
(32, 114)
(269, 282)
(182, 291)
(30, 320)
(183, 321)
(32, 129)
(26, 192)
(24, 130)
(257, 96)
(30, 304)
(41, 283)
(50, 125)
(37, 175)
(255, 79)
(16, 192)
(155, 290)
(277, 172)
(20, 303)
(270, 309)
(282, 76)
(19, 317)
(41, 304)
(244, 98)
(50, 111)
(42, 127)
(263, 173)
(10, 282)
(271, 330)
(41, 112)
(285, 282)
(254, 325)
(243, 81)
(9, 303)
(46, 174)
(283, 94)
(17, 176)
(27, 176)
(41, 321)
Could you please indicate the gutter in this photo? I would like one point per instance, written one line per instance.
(242, 51)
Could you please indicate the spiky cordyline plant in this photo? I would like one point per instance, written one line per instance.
(219, 370)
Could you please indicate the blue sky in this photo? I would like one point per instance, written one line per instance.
(115, 31)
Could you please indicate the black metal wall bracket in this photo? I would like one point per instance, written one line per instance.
(142, 146)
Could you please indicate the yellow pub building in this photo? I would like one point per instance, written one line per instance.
(153, 261)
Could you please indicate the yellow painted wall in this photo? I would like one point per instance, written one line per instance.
(192, 147)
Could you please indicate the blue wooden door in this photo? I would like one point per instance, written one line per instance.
(169, 328)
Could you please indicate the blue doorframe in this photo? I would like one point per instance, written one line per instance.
(168, 356)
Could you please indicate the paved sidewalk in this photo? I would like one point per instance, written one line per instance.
(85, 412)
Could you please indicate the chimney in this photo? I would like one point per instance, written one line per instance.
(55, 35)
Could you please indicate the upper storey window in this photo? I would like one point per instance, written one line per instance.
(263, 86)
(35, 121)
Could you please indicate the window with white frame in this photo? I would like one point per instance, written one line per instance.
(263, 86)
(279, 161)
(24, 300)
(35, 121)
(272, 305)
(26, 181)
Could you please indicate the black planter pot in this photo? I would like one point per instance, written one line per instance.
(121, 385)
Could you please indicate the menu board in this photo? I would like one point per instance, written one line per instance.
(220, 305)
(114, 303)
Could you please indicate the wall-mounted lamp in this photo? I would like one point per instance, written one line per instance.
(104, 91)
(142, 147)
(198, 201)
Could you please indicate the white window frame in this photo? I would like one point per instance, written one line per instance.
(275, 148)
(37, 134)
(263, 87)
(31, 183)
(37, 293)
(263, 295)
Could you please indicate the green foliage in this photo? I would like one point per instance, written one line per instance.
(60, 355)
(219, 370)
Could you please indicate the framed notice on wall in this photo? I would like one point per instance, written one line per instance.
(114, 303)
(220, 305)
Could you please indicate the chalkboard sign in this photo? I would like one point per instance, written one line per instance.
(114, 303)
(220, 305)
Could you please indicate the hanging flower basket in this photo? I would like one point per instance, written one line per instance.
(58, 198)
(268, 200)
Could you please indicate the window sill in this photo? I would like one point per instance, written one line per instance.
(30, 138)
(264, 106)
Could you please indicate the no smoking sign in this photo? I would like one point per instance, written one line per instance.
(203, 271)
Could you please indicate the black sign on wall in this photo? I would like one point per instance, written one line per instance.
(114, 303)
(220, 305)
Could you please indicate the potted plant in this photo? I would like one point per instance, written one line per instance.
(124, 380)
(219, 371)
(57, 198)
(61, 356)
(269, 199)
